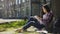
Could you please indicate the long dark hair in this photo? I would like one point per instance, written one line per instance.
(47, 8)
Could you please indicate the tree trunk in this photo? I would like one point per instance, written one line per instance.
(56, 11)
(56, 8)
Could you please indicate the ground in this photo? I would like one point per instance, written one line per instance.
(12, 30)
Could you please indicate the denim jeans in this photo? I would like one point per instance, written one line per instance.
(33, 22)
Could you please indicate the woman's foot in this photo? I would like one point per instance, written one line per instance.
(20, 30)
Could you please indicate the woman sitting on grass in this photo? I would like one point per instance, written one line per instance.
(37, 21)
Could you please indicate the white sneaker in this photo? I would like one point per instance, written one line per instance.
(43, 31)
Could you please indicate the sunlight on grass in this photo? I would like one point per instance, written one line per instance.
(9, 27)
(12, 25)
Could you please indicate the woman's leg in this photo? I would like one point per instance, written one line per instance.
(38, 25)
(33, 22)
(29, 23)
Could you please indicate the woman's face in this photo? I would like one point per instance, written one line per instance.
(44, 10)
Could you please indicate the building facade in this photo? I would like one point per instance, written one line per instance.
(5, 9)
(20, 8)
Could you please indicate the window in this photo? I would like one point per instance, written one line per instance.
(27, 0)
(19, 1)
(10, 3)
(2, 0)
(2, 5)
(23, 0)
(16, 1)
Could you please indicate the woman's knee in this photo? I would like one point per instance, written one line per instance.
(32, 19)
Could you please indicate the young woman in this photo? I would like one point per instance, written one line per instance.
(37, 21)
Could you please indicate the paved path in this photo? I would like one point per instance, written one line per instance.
(9, 32)
(8, 20)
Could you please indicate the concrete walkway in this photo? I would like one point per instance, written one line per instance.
(8, 20)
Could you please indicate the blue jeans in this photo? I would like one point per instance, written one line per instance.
(33, 22)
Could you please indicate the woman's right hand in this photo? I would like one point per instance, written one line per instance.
(38, 18)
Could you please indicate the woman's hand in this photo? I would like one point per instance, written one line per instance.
(38, 18)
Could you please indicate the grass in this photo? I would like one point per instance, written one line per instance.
(15, 24)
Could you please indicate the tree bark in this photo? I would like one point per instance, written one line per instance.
(56, 8)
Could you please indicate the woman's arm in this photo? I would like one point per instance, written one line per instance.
(38, 18)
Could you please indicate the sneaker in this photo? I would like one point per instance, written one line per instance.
(43, 31)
